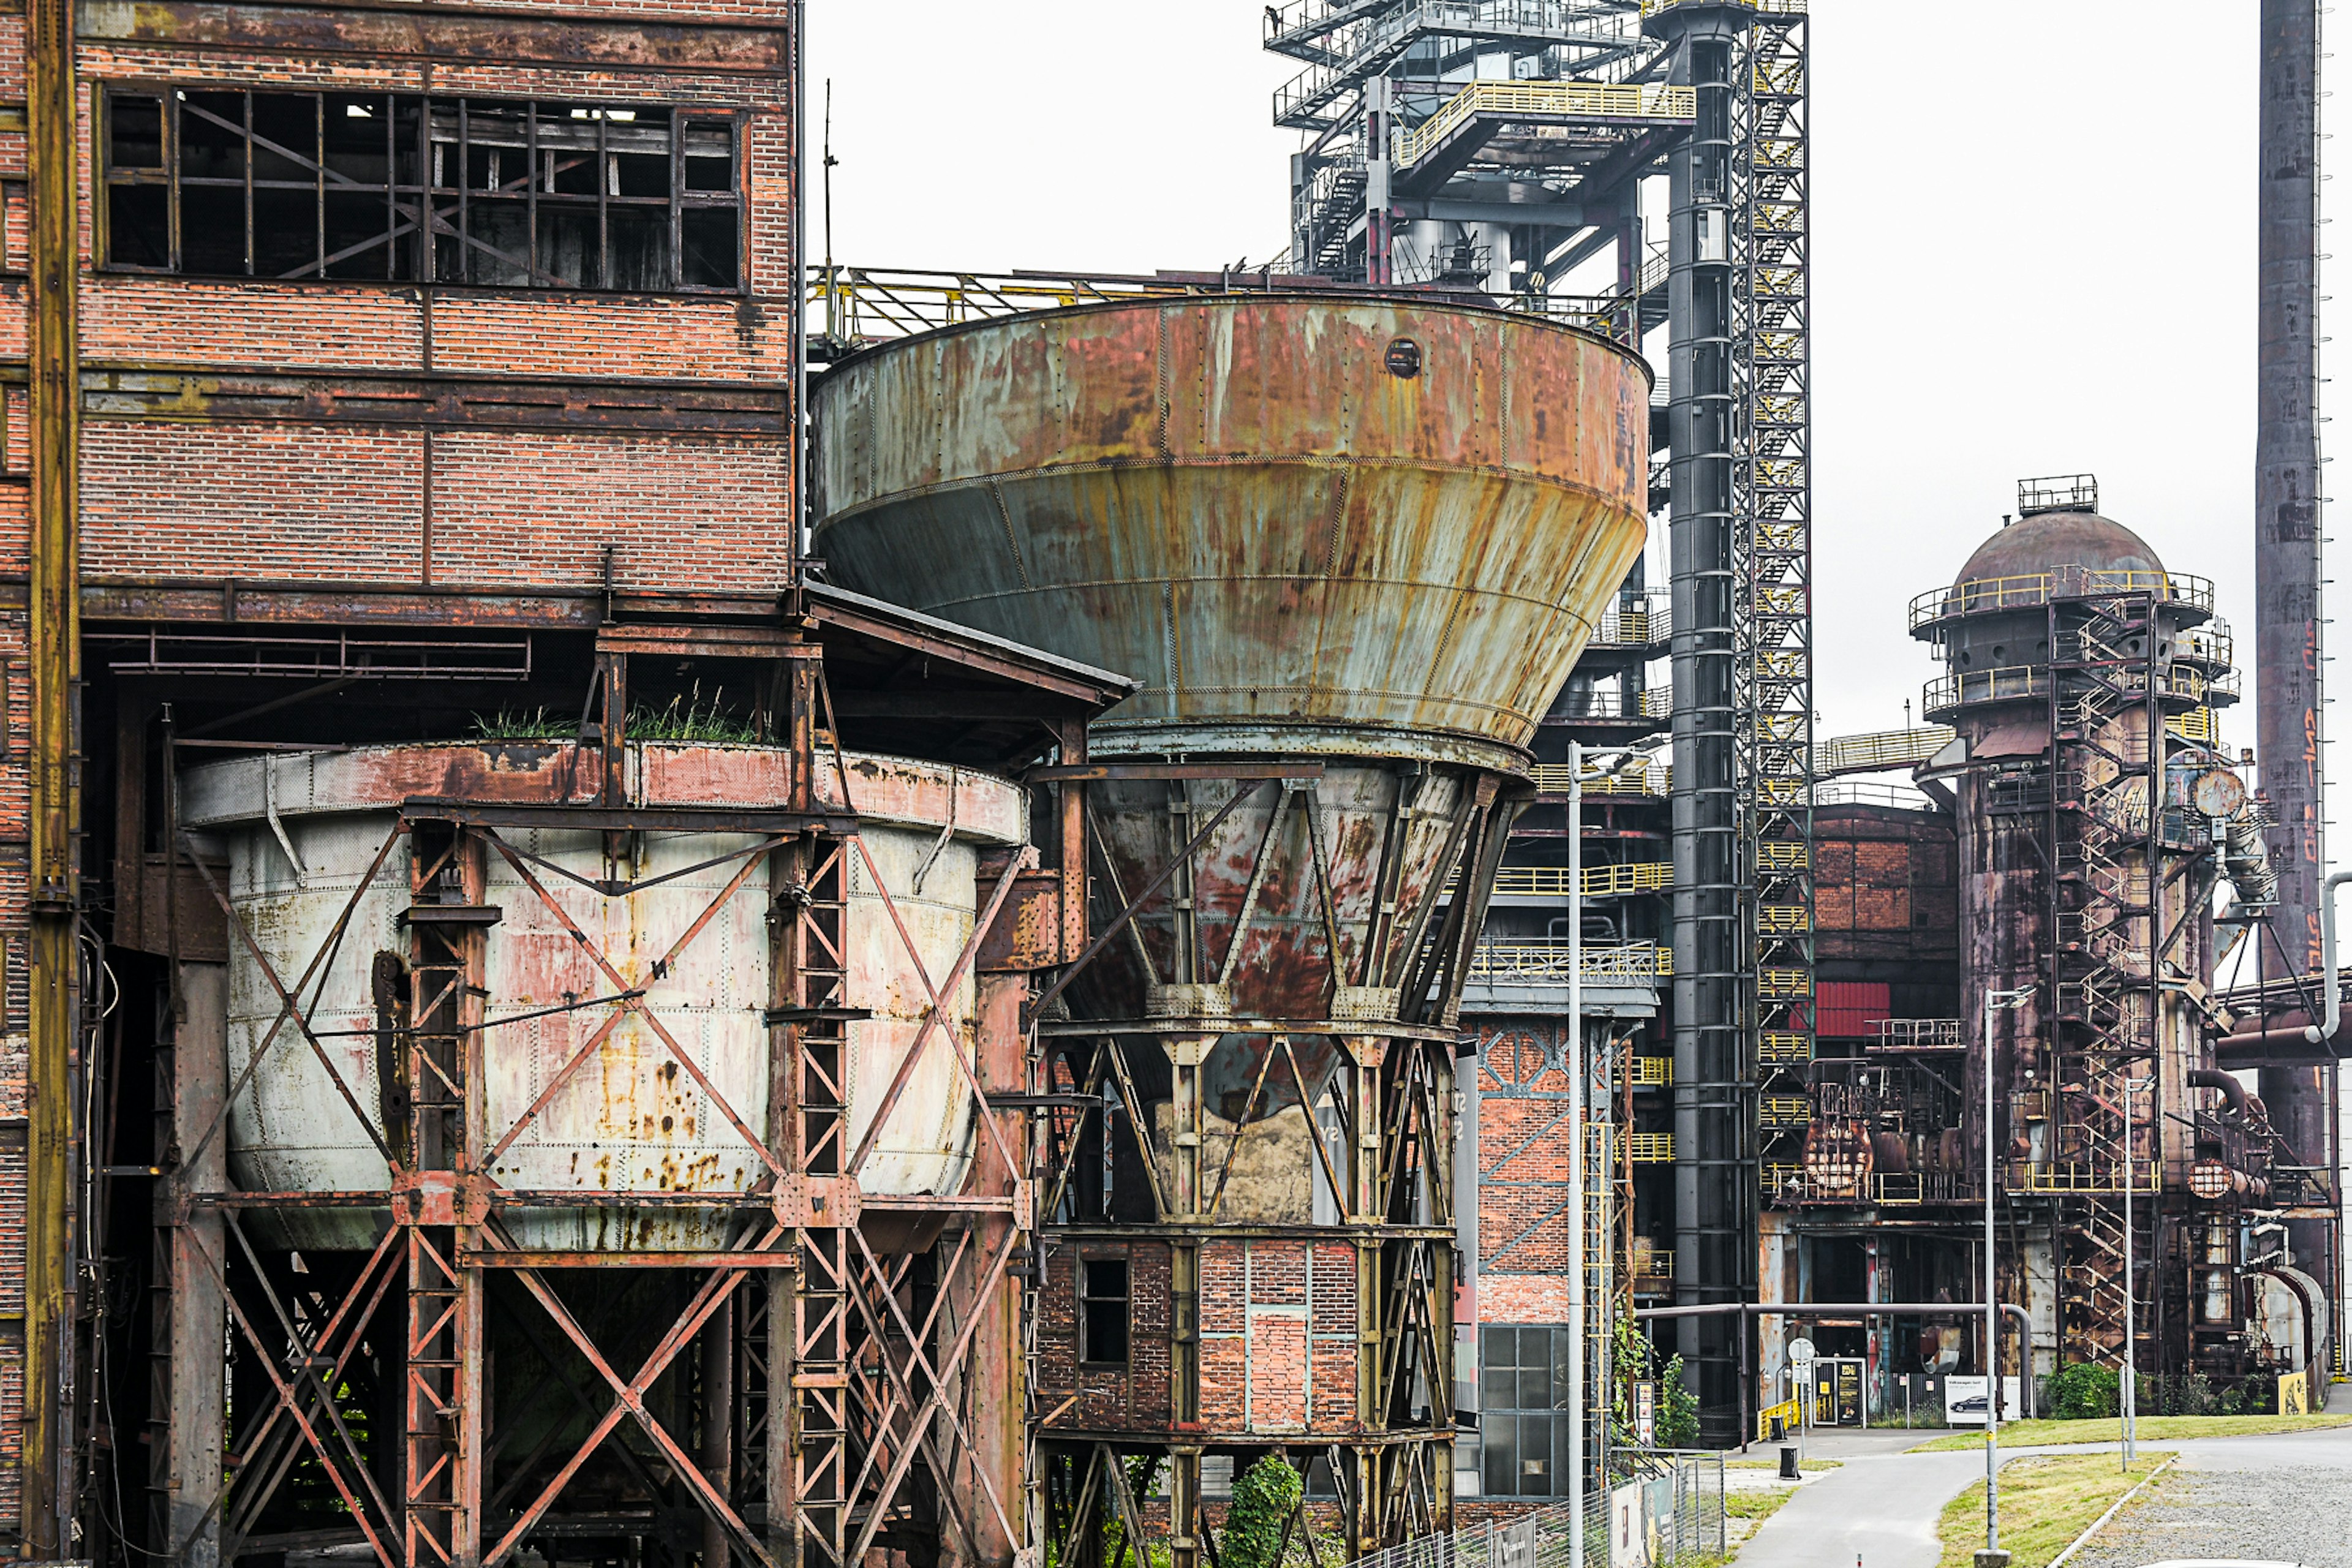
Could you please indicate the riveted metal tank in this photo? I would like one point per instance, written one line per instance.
(1308, 525)
(300, 832)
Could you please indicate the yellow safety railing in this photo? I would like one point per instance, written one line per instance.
(1780, 1050)
(1654, 1264)
(1600, 881)
(1784, 919)
(2200, 724)
(1789, 1413)
(1649, 1147)
(1648, 1072)
(1545, 958)
(1775, 855)
(1655, 779)
(2082, 1177)
(2031, 590)
(1785, 1110)
(1562, 99)
(1879, 750)
(1784, 983)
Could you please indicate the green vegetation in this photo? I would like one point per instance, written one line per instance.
(1265, 1496)
(1675, 1425)
(2084, 1391)
(2045, 1504)
(2152, 1429)
(684, 718)
(1811, 1467)
(1759, 1505)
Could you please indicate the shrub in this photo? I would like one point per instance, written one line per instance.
(2084, 1392)
(1265, 1496)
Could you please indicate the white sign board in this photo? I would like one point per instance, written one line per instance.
(1963, 1400)
(1800, 1350)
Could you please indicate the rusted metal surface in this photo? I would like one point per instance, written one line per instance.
(561, 967)
(1238, 503)
(503, 37)
(47, 1459)
(172, 393)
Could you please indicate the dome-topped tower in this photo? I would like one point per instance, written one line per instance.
(2060, 537)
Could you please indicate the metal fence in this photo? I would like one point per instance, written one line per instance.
(1661, 1507)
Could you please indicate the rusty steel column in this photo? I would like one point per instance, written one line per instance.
(2287, 551)
(193, 1470)
(56, 649)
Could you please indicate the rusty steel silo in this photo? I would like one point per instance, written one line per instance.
(1351, 546)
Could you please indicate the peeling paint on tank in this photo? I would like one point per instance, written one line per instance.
(630, 1119)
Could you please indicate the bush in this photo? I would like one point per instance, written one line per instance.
(1265, 1496)
(2086, 1393)
(1635, 1359)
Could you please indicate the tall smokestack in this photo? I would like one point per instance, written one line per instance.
(2287, 550)
(2286, 467)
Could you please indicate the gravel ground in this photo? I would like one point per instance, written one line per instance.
(2289, 1514)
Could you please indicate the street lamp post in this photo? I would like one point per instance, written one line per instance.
(1992, 1556)
(1575, 1244)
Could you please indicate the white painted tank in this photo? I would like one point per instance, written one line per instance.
(629, 1120)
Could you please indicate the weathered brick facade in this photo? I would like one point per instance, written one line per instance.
(439, 456)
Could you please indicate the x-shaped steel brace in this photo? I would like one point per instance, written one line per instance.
(922, 1363)
(292, 1405)
(630, 1000)
(628, 1400)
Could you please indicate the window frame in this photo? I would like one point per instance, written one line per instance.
(1087, 1300)
(449, 204)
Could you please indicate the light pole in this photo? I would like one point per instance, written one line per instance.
(1992, 1556)
(2130, 1406)
(1576, 1156)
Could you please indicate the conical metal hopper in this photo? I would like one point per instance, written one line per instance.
(1352, 546)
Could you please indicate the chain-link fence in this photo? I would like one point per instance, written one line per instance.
(1661, 1507)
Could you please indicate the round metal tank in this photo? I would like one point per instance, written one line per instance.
(629, 1120)
(1309, 525)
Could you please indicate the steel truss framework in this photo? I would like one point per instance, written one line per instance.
(814, 1398)
(1387, 1094)
(1772, 561)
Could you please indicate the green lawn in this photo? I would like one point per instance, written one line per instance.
(2045, 1502)
(2152, 1429)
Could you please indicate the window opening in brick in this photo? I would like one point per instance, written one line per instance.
(1103, 1307)
(403, 188)
(1524, 1409)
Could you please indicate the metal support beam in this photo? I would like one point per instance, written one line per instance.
(56, 648)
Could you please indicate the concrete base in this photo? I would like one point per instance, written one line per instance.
(1991, 1559)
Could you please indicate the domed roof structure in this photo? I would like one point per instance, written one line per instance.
(2046, 540)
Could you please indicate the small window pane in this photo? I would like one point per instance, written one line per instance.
(1103, 1321)
(1534, 1455)
(285, 232)
(135, 127)
(1499, 1446)
(708, 238)
(285, 136)
(211, 139)
(138, 225)
(212, 230)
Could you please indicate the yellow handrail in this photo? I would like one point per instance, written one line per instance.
(1599, 101)
(2034, 589)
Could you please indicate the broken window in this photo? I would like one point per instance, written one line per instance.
(1102, 1312)
(401, 188)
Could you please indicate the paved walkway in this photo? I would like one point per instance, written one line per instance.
(1879, 1510)
(2282, 1496)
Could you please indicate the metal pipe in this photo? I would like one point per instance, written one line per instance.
(2331, 979)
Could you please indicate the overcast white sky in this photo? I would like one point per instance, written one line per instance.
(2033, 246)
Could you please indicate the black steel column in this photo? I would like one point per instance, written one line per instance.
(1715, 1179)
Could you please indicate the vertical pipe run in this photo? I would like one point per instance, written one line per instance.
(1714, 1182)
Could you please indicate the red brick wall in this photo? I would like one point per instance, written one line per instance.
(1133, 1399)
(1526, 1139)
(1278, 1336)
